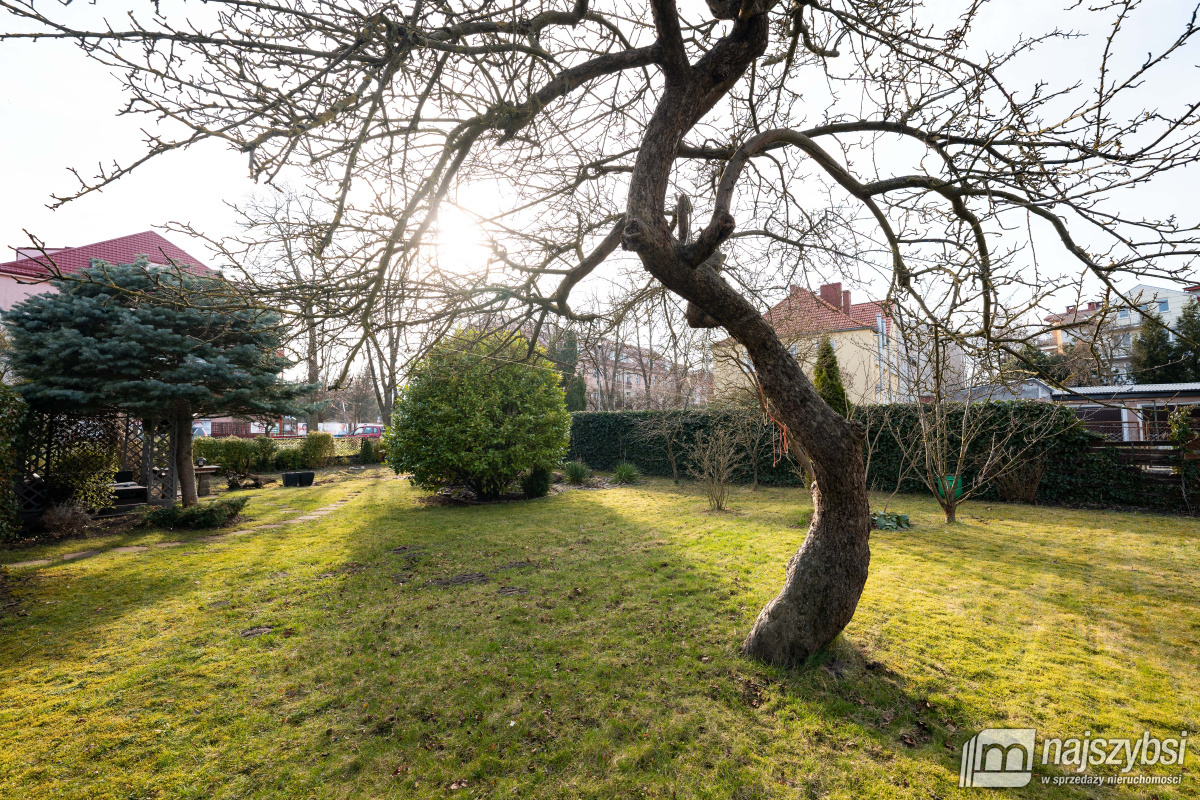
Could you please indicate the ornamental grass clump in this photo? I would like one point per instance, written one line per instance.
(626, 473)
(576, 471)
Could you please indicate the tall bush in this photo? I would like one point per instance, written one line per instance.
(12, 412)
(317, 450)
(477, 412)
(264, 452)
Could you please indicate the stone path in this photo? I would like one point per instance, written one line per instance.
(311, 516)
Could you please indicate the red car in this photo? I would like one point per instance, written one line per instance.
(366, 431)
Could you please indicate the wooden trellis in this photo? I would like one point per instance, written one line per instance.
(54, 440)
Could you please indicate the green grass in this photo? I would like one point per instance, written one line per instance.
(616, 676)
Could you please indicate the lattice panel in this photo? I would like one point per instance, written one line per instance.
(60, 447)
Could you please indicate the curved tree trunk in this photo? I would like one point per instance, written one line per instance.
(181, 417)
(826, 576)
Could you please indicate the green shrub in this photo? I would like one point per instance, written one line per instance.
(204, 515)
(289, 460)
(536, 482)
(366, 452)
(231, 452)
(317, 450)
(576, 471)
(626, 472)
(1075, 473)
(890, 521)
(476, 412)
(264, 452)
(12, 412)
(212, 450)
(83, 475)
(239, 454)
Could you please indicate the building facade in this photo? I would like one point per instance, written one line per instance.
(869, 354)
(1108, 330)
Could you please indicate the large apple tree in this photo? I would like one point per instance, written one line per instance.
(709, 151)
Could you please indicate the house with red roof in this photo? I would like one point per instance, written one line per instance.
(30, 272)
(863, 337)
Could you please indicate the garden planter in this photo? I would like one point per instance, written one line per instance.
(298, 478)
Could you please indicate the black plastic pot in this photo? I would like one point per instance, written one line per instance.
(298, 478)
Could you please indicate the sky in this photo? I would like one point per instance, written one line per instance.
(58, 110)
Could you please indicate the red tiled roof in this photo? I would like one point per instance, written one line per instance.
(123, 250)
(804, 313)
(868, 314)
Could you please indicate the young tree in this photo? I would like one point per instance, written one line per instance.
(1186, 350)
(600, 122)
(827, 378)
(1154, 358)
(577, 394)
(959, 432)
(156, 342)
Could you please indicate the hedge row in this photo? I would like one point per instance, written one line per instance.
(1075, 474)
(12, 414)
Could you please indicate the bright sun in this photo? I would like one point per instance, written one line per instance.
(461, 245)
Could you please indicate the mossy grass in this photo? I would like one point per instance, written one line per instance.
(599, 659)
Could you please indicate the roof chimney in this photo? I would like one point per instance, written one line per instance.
(832, 293)
(846, 302)
(1092, 306)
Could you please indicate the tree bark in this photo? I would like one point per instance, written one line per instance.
(181, 413)
(825, 578)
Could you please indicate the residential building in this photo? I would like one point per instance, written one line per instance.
(870, 356)
(1130, 413)
(619, 375)
(1109, 329)
(30, 272)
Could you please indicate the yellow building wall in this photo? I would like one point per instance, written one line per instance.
(856, 356)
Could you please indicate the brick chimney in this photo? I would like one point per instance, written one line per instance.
(846, 302)
(832, 293)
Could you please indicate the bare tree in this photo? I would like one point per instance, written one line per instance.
(845, 135)
(961, 432)
(716, 457)
(664, 427)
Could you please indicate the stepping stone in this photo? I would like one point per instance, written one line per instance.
(137, 548)
(167, 544)
(306, 518)
(265, 527)
(37, 562)
(294, 521)
(250, 633)
(80, 554)
(240, 533)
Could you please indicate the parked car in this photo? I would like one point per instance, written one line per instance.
(366, 431)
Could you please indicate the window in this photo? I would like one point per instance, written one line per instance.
(1164, 306)
(1123, 313)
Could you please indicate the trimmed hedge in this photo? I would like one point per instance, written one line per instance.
(12, 414)
(1075, 474)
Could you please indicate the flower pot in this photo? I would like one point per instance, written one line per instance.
(950, 483)
(292, 479)
(306, 478)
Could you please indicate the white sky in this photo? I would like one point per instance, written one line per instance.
(58, 110)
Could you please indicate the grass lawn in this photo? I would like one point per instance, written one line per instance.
(598, 660)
